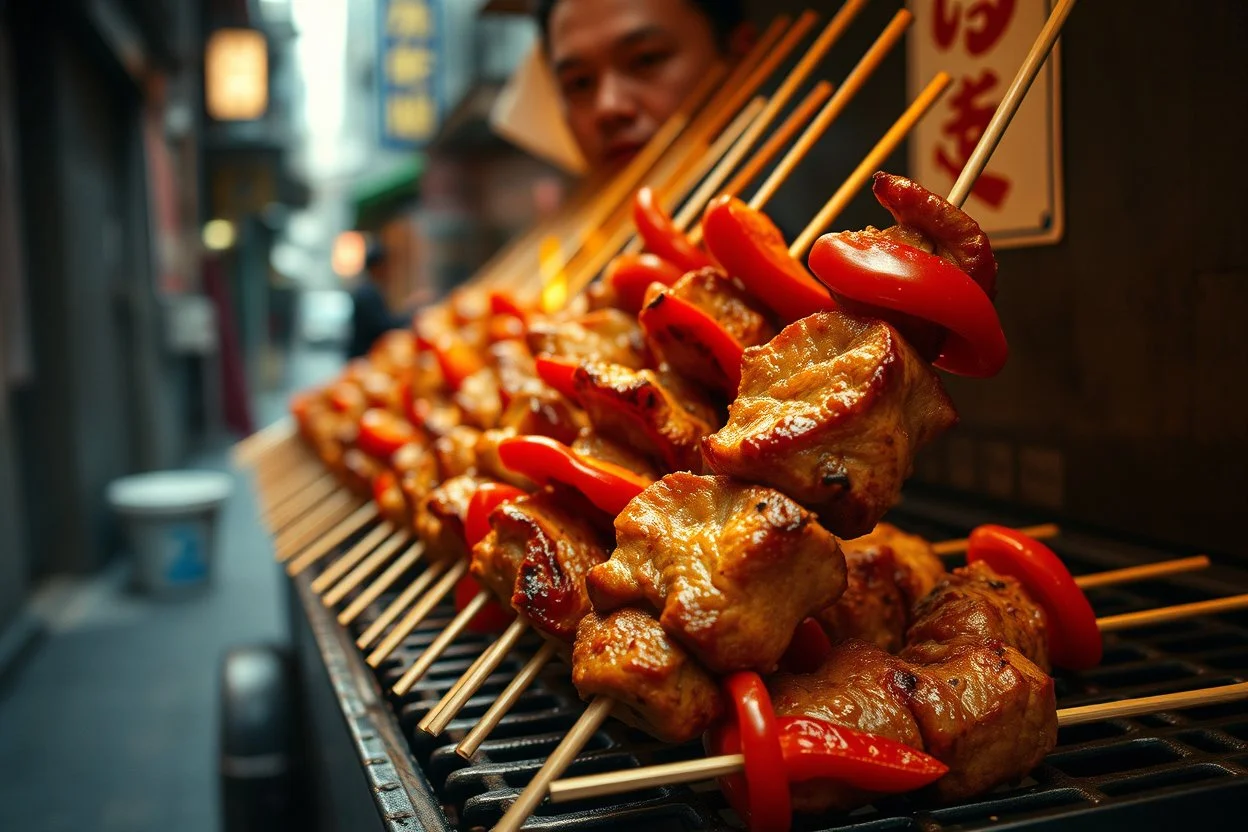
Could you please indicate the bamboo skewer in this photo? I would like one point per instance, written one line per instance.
(506, 700)
(348, 522)
(287, 485)
(1146, 572)
(293, 540)
(354, 555)
(853, 83)
(283, 459)
(954, 547)
(1164, 615)
(288, 510)
(248, 450)
(418, 613)
(692, 771)
(374, 590)
(441, 714)
(438, 646)
(366, 568)
(402, 602)
(883, 148)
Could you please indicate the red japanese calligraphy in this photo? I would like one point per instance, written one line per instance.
(970, 119)
(986, 22)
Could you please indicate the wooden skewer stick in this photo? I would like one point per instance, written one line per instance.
(248, 450)
(367, 567)
(354, 555)
(435, 722)
(692, 771)
(280, 461)
(454, 628)
(1147, 572)
(954, 547)
(418, 613)
(882, 150)
(402, 602)
(305, 532)
(558, 761)
(855, 81)
(506, 700)
(1163, 615)
(779, 100)
(1010, 103)
(374, 590)
(302, 501)
(346, 515)
(288, 484)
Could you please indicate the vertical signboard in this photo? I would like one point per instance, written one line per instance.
(982, 43)
(408, 73)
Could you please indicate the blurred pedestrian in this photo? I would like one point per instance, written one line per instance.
(370, 314)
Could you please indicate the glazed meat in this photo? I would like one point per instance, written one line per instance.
(390, 499)
(479, 399)
(589, 443)
(680, 347)
(981, 708)
(360, 470)
(542, 412)
(456, 451)
(976, 603)
(731, 568)
(831, 412)
(635, 409)
(537, 554)
(489, 464)
(889, 571)
(439, 518)
(658, 687)
(417, 470)
(604, 335)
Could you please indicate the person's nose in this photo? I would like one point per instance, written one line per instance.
(614, 103)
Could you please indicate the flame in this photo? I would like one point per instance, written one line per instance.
(554, 278)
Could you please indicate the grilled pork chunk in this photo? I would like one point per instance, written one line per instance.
(732, 568)
(456, 451)
(659, 688)
(603, 335)
(831, 412)
(417, 469)
(440, 516)
(537, 554)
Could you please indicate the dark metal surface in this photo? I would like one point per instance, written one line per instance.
(1152, 772)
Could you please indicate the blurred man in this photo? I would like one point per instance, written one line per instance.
(370, 316)
(624, 66)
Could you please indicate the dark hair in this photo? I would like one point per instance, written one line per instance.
(375, 254)
(724, 16)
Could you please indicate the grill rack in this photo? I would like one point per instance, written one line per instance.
(1152, 771)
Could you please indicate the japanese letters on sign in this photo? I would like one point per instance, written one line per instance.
(408, 71)
(982, 43)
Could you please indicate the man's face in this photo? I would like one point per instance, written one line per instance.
(624, 66)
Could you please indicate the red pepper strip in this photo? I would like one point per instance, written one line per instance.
(662, 237)
(501, 303)
(807, 650)
(669, 312)
(485, 499)
(765, 787)
(506, 328)
(815, 749)
(541, 459)
(493, 618)
(456, 360)
(558, 373)
(630, 275)
(885, 277)
(752, 249)
(383, 432)
(1074, 638)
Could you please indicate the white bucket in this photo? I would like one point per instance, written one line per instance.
(171, 520)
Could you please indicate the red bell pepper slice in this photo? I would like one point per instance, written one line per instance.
(383, 432)
(815, 749)
(662, 237)
(881, 277)
(493, 618)
(382, 483)
(456, 359)
(669, 312)
(630, 275)
(558, 373)
(485, 499)
(502, 303)
(760, 796)
(608, 486)
(753, 250)
(808, 649)
(1074, 637)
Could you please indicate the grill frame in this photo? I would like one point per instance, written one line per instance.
(387, 745)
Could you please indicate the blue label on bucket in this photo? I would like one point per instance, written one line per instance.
(187, 564)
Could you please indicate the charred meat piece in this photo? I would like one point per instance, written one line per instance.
(479, 399)
(681, 347)
(542, 412)
(603, 335)
(440, 516)
(390, 499)
(731, 568)
(889, 572)
(658, 687)
(537, 554)
(974, 602)
(831, 412)
(417, 468)
(456, 451)
(927, 221)
(635, 409)
(360, 469)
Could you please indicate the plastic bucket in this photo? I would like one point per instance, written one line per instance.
(171, 523)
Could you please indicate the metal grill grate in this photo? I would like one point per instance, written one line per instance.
(1196, 758)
